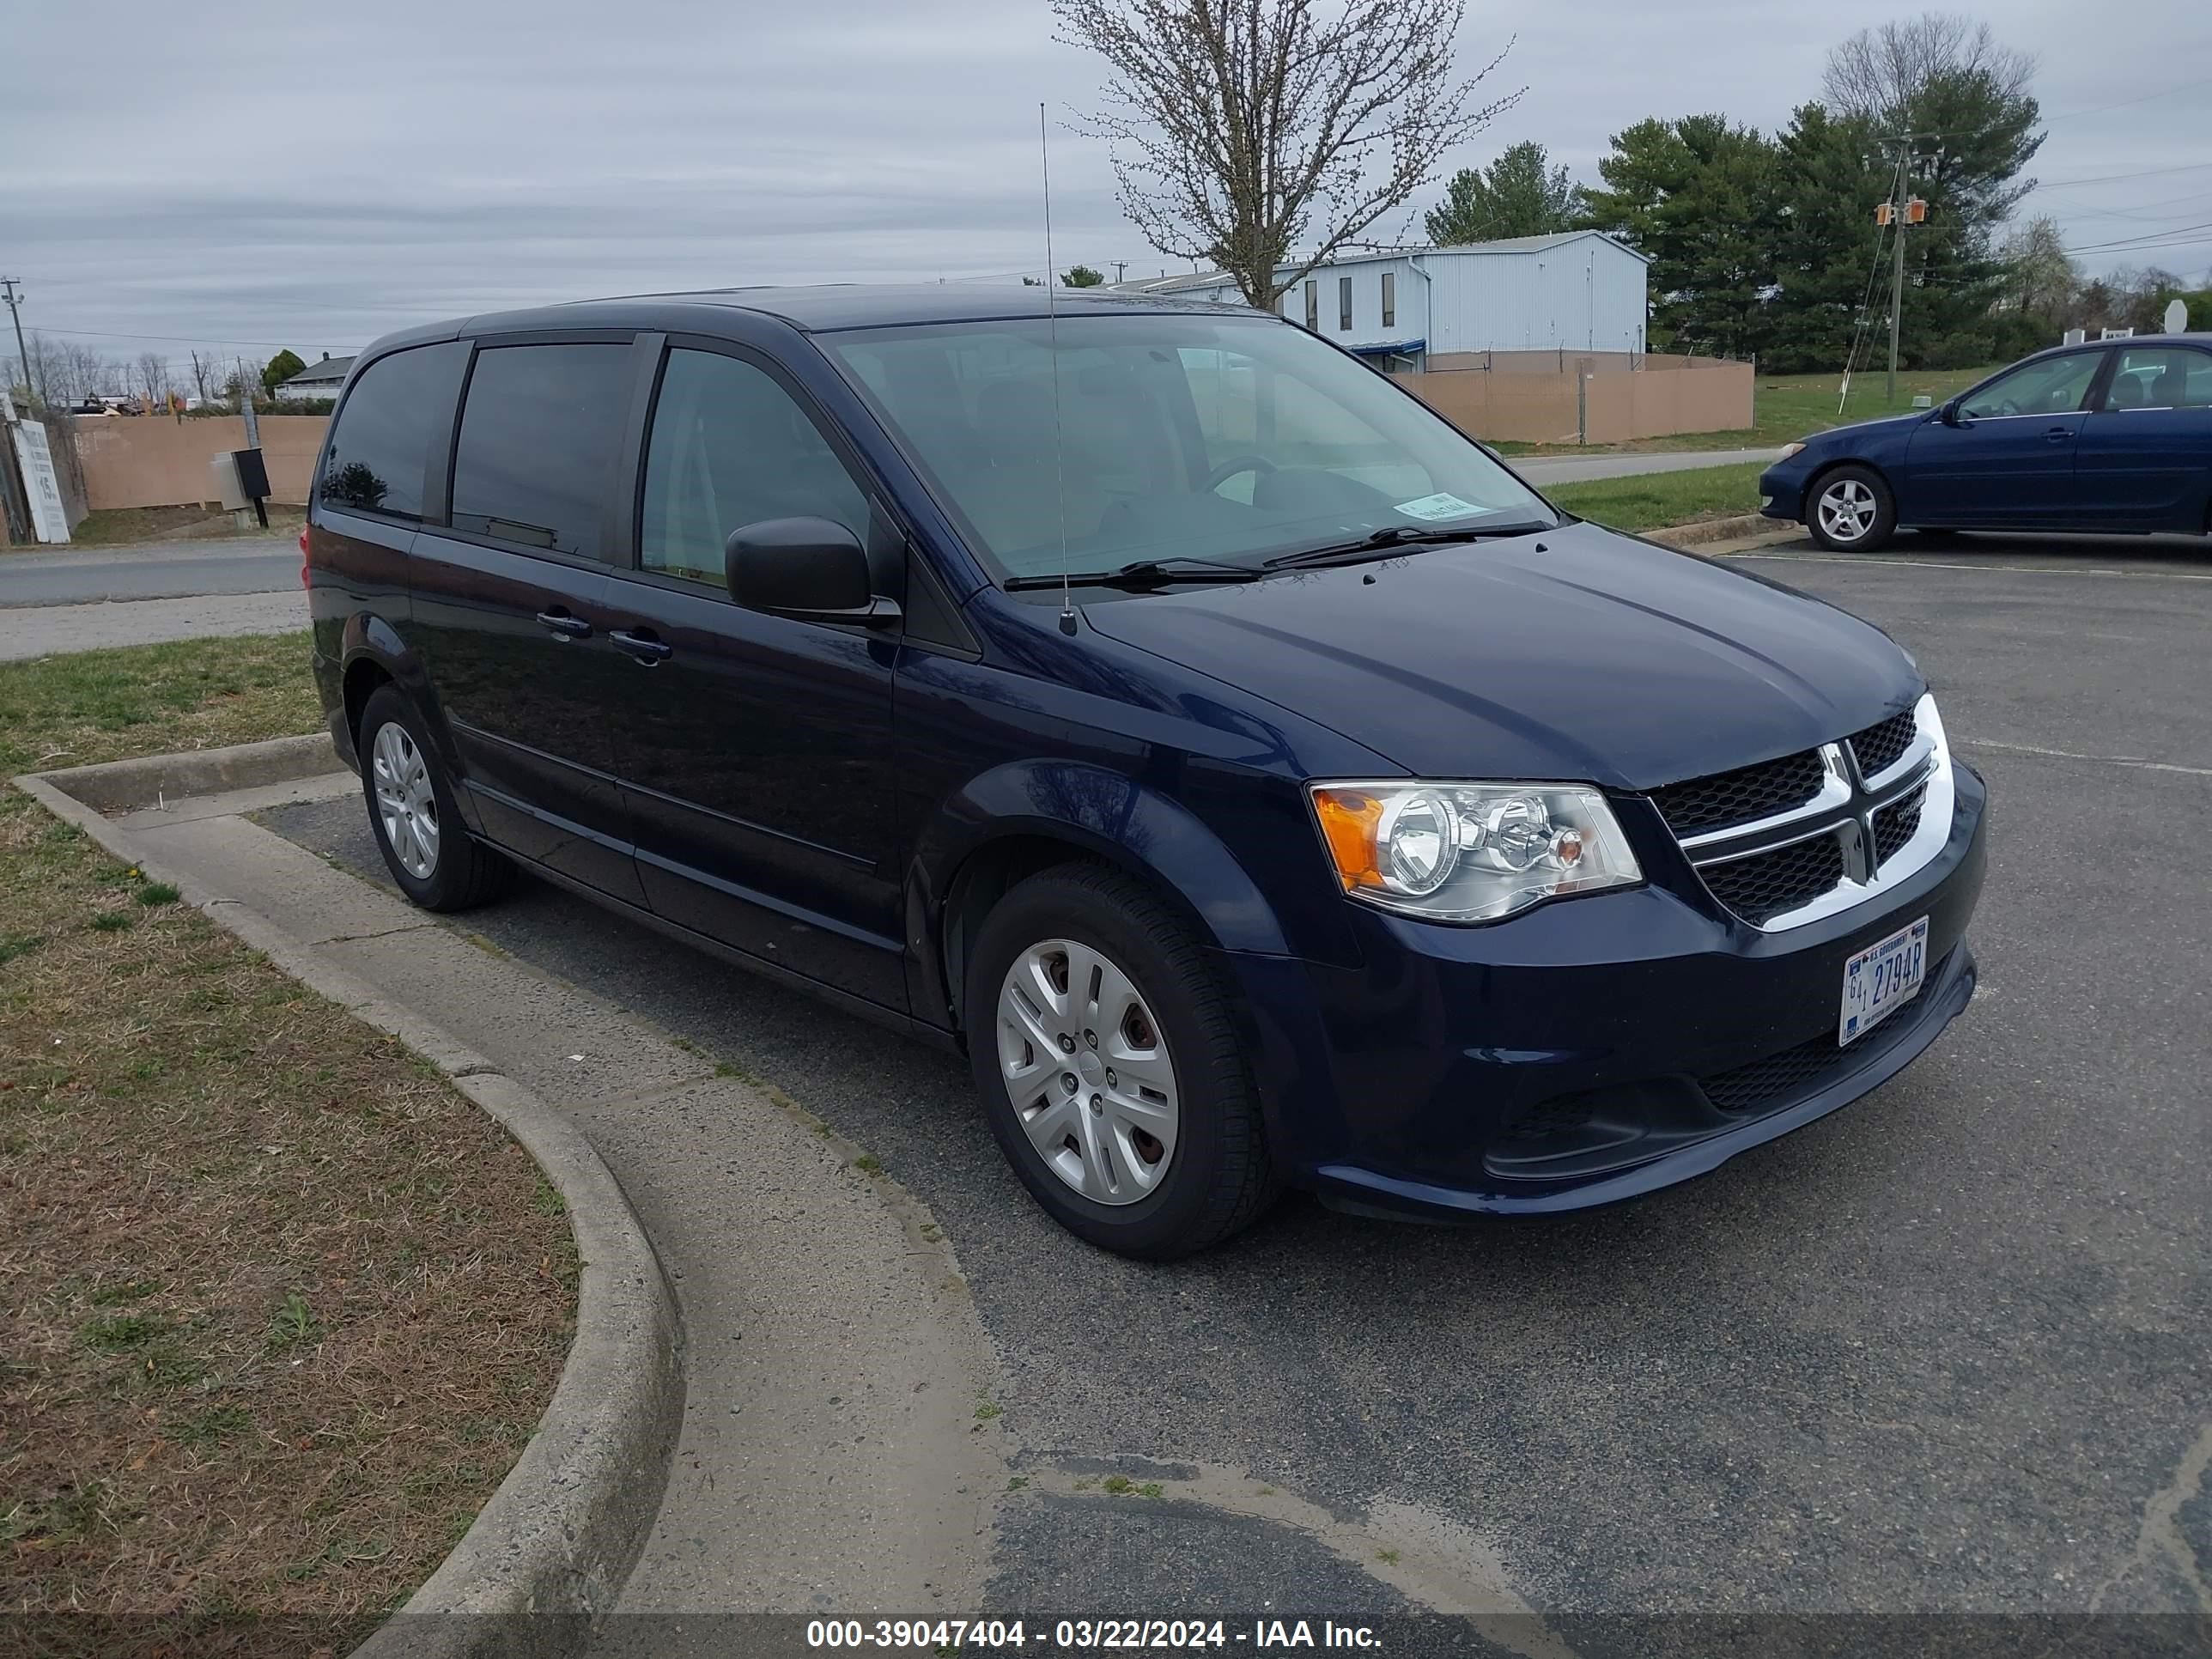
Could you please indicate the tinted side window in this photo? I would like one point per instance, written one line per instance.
(729, 448)
(2160, 378)
(539, 435)
(378, 452)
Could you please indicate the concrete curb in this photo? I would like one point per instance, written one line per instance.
(548, 1554)
(121, 786)
(1720, 530)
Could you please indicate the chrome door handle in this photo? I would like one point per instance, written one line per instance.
(643, 647)
(563, 626)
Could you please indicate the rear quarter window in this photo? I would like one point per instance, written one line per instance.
(380, 447)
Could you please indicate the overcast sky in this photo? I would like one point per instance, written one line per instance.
(268, 174)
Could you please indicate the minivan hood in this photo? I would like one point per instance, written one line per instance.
(1577, 654)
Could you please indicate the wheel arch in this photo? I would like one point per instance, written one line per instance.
(1027, 816)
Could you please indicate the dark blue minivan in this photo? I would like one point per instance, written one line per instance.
(1257, 780)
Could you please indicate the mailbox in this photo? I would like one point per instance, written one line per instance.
(253, 474)
(223, 470)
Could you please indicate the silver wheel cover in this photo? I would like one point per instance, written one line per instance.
(1846, 510)
(1087, 1068)
(404, 801)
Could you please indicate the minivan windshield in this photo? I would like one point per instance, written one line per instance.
(1233, 439)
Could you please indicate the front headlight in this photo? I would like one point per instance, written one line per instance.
(1470, 852)
(1788, 450)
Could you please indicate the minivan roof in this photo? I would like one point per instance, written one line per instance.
(865, 305)
(831, 305)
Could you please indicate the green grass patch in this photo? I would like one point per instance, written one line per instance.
(1787, 407)
(124, 526)
(92, 706)
(1656, 500)
(156, 892)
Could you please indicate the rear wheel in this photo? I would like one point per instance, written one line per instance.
(1853, 511)
(1109, 1067)
(412, 812)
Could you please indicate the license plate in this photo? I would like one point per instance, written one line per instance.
(1882, 979)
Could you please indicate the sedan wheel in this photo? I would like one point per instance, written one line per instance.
(1847, 511)
(1087, 1071)
(404, 801)
(1853, 511)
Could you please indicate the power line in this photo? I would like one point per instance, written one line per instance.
(2148, 97)
(2148, 238)
(2113, 178)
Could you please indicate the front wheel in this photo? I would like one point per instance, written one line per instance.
(1853, 511)
(1109, 1067)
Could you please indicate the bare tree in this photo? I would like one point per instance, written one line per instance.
(1242, 127)
(152, 374)
(1880, 73)
(2041, 275)
(207, 376)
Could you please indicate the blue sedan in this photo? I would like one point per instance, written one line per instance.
(2111, 437)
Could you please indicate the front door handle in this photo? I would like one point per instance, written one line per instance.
(643, 645)
(2059, 434)
(562, 626)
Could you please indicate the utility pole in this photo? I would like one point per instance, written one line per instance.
(22, 356)
(1120, 265)
(1902, 209)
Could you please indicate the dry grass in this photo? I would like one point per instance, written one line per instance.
(278, 1307)
(126, 526)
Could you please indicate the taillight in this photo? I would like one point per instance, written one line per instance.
(303, 555)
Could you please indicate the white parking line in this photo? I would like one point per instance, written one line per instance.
(2135, 761)
(1943, 564)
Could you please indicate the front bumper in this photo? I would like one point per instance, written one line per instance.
(1782, 490)
(1589, 1050)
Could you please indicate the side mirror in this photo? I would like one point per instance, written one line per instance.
(1949, 413)
(813, 569)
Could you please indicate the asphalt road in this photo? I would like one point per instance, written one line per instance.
(152, 570)
(1944, 1353)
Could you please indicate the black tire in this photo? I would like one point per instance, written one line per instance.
(1219, 1177)
(463, 873)
(1879, 509)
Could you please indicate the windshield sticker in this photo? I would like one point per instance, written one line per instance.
(1442, 506)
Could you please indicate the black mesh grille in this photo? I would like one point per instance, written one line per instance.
(1738, 797)
(1893, 826)
(1793, 1071)
(1876, 749)
(1549, 1117)
(1767, 883)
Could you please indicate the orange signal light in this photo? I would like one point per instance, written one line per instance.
(1348, 820)
(1916, 211)
(1883, 213)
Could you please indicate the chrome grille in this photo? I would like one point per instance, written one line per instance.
(1788, 842)
(1766, 884)
(1879, 747)
(1893, 826)
(1743, 796)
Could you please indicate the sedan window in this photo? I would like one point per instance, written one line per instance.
(2050, 386)
(2161, 378)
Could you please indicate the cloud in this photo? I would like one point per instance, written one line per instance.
(277, 174)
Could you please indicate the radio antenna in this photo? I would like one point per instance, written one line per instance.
(1052, 338)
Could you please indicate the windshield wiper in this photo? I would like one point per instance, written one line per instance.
(1145, 573)
(1381, 542)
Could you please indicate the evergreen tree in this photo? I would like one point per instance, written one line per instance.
(1518, 194)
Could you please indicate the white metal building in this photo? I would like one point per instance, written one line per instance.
(1577, 291)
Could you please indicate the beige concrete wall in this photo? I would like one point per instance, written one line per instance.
(1666, 396)
(152, 461)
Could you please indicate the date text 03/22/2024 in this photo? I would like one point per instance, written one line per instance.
(952, 1635)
